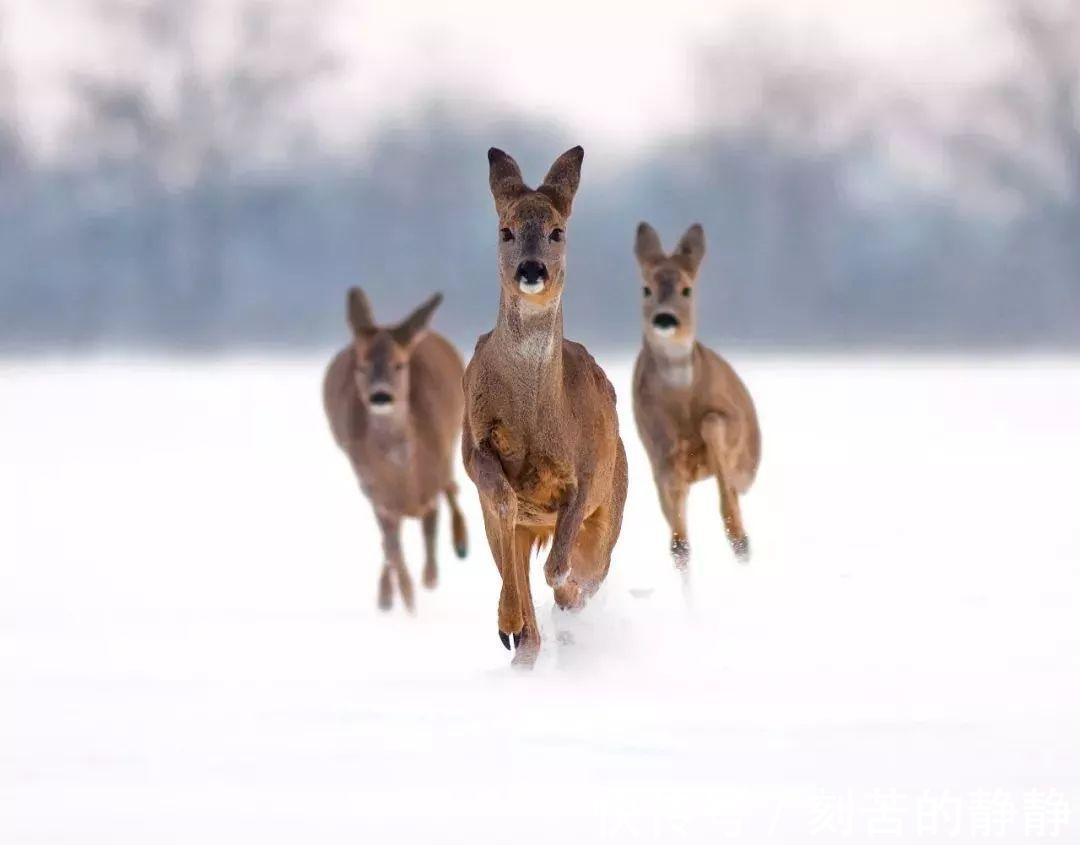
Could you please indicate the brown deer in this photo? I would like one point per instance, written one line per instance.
(394, 402)
(694, 414)
(541, 437)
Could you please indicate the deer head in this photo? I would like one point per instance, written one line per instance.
(382, 354)
(532, 225)
(668, 311)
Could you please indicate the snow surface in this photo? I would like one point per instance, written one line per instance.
(190, 650)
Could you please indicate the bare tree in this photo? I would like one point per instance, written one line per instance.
(179, 115)
(1027, 132)
(11, 149)
(789, 91)
(1023, 137)
(798, 117)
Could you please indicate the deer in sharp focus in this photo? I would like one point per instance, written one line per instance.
(394, 402)
(693, 413)
(541, 435)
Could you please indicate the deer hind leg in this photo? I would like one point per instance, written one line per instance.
(714, 431)
(673, 489)
(431, 566)
(394, 565)
(457, 522)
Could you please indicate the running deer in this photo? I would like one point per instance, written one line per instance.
(541, 438)
(394, 402)
(693, 413)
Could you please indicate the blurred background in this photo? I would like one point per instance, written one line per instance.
(190, 649)
(187, 175)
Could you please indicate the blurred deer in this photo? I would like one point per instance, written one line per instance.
(693, 413)
(541, 438)
(394, 402)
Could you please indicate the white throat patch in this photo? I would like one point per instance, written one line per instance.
(536, 346)
(675, 362)
(678, 373)
(538, 336)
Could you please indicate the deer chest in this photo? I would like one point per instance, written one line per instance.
(539, 476)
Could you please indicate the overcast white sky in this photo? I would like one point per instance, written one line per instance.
(617, 75)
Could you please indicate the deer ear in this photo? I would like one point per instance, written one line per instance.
(561, 182)
(691, 249)
(647, 246)
(504, 176)
(359, 311)
(410, 330)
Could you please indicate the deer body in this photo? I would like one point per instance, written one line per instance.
(694, 415)
(541, 435)
(394, 405)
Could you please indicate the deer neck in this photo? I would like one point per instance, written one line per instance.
(674, 362)
(528, 342)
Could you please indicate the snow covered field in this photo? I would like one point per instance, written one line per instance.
(190, 650)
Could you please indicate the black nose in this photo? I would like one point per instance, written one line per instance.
(381, 397)
(665, 321)
(531, 272)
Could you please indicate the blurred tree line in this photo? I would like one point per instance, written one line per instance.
(194, 208)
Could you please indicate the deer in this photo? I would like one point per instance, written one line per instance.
(694, 415)
(394, 403)
(540, 438)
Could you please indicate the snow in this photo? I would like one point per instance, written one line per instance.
(190, 649)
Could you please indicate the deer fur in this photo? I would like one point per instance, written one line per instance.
(541, 435)
(394, 402)
(693, 413)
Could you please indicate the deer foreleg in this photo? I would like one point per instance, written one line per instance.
(673, 488)
(394, 563)
(714, 428)
(568, 521)
(499, 503)
(527, 645)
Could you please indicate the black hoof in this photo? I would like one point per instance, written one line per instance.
(506, 640)
(517, 639)
(461, 551)
(741, 547)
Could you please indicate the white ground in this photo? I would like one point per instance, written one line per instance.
(190, 650)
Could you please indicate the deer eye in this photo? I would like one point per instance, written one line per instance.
(556, 235)
(506, 235)
(686, 291)
(399, 366)
(647, 291)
